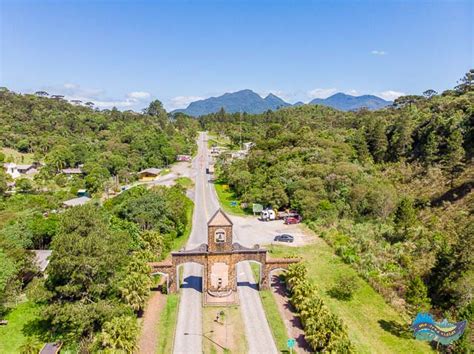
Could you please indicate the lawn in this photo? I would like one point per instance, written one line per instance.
(214, 139)
(16, 156)
(373, 325)
(185, 182)
(225, 336)
(13, 336)
(226, 196)
(167, 324)
(274, 319)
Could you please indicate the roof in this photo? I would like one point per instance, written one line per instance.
(71, 171)
(42, 258)
(219, 219)
(76, 201)
(152, 170)
(23, 167)
(51, 348)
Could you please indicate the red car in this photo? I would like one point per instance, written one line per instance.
(295, 219)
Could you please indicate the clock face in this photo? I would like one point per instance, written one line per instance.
(219, 236)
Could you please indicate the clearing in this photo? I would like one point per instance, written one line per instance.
(373, 325)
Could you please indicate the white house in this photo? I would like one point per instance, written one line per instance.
(16, 171)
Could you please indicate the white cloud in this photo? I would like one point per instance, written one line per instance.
(139, 95)
(390, 95)
(321, 92)
(379, 52)
(181, 102)
(72, 91)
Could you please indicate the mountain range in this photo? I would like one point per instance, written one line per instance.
(251, 102)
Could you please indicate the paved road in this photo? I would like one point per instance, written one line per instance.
(188, 336)
(257, 330)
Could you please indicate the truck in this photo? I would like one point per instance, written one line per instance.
(289, 216)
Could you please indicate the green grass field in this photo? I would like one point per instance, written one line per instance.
(274, 319)
(215, 139)
(16, 156)
(185, 182)
(13, 335)
(226, 196)
(167, 324)
(373, 325)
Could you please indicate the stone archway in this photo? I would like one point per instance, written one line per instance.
(219, 258)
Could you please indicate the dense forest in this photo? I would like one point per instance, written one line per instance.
(98, 278)
(390, 190)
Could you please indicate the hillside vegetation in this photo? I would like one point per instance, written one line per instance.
(106, 143)
(390, 190)
(98, 279)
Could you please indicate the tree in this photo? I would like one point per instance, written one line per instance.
(453, 160)
(431, 149)
(119, 335)
(360, 144)
(59, 157)
(378, 141)
(3, 182)
(155, 108)
(345, 287)
(24, 185)
(401, 140)
(430, 93)
(23, 145)
(405, 216)
(417, 295)
(135, 287)
(466, 83)
(86, 255)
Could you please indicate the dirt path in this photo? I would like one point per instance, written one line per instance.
(292, 322)
(149, 336)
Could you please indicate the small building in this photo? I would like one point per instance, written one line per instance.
(75, 171)
(183, 158)
(71, 203)
(240, 154)
(16, 171)
(83, 193)
(42, 259)
(51, 348)
(149, 174)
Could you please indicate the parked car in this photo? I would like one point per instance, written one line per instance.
(294, 219)
(284, 238)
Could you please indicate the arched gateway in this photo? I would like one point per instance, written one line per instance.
(219, 258)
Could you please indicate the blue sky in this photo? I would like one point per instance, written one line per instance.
(125, 53)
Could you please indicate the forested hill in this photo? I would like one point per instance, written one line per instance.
(66, 135)
(250, 102)
(390, 190)
(346, 102)
(240, 101)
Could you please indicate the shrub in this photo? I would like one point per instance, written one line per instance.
(324, 331)
(345, 288)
